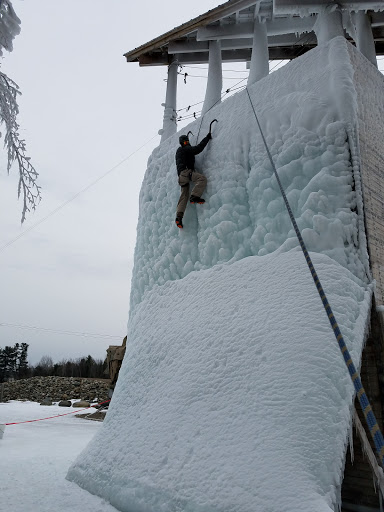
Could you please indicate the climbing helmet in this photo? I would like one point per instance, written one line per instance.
(183, 139)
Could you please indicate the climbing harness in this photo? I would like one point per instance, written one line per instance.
(370, 418)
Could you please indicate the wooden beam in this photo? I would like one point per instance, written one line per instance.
(237, 30)
(223, 10)
(240, 30)
(191, 46)
(244, 55)
(194, 58)
(315, 6)
(245, 30)
(377, 19)
(289, 40)
(188, 46)
(284, 25)
(289, 52)
(379, 45)
(203, 46)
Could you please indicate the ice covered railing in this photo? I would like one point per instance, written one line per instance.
(308, 113)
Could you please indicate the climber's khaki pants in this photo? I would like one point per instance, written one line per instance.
(200, 183)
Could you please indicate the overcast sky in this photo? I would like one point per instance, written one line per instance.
(84, 110)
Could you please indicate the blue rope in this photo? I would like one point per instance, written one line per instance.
(370, 418)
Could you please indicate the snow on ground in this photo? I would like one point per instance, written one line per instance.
(34, 459)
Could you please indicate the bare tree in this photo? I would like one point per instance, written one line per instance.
(9, 90)
(45, 366)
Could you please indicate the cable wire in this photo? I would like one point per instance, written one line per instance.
(206, 69)
(304, 39)
(62, 205)
(59, 331)
(204, 76)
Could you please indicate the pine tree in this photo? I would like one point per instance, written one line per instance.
(13, 362)
(8, 358)
(2, 366)
(22, 364)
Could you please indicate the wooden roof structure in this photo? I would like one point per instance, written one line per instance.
(289, 27)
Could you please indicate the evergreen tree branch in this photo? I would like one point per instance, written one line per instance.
(9, 109)
(16, 147)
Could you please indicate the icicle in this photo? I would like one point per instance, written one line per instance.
(338, 501)
(350, 438)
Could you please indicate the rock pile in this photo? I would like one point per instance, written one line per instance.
(56, 389)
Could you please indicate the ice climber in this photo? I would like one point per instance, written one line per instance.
(185, 163)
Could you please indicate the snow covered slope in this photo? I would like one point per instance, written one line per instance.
(233, 396)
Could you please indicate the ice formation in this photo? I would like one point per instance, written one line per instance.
(233, 396)
(307, 112)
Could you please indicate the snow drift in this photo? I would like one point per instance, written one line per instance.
(233, 395)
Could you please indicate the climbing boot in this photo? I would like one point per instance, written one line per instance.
(179, 222)
(195, 199)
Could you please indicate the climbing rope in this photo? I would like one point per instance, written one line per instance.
(370, 418)
(57, 415)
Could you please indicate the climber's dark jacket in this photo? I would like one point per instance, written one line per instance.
(185, 155)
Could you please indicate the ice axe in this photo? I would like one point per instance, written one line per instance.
(211, 123)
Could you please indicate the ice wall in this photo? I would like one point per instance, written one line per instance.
(233, 396)
(306, 110)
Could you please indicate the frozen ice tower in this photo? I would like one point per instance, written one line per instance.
(233, 395)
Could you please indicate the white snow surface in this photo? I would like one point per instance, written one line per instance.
(233, 395)
(34, 459)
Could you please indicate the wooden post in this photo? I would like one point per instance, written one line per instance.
(259, 62)
(329, 24)
(364, 37)
(170, 122)
(215, 77)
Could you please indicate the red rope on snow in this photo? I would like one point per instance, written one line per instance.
(57, 416)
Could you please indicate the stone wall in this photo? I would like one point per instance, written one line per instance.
(369, 85)
(57, 388)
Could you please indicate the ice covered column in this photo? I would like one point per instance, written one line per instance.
(215, 77)
(170, 123)
(364, 37)
(329, 24)
(260, 57)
